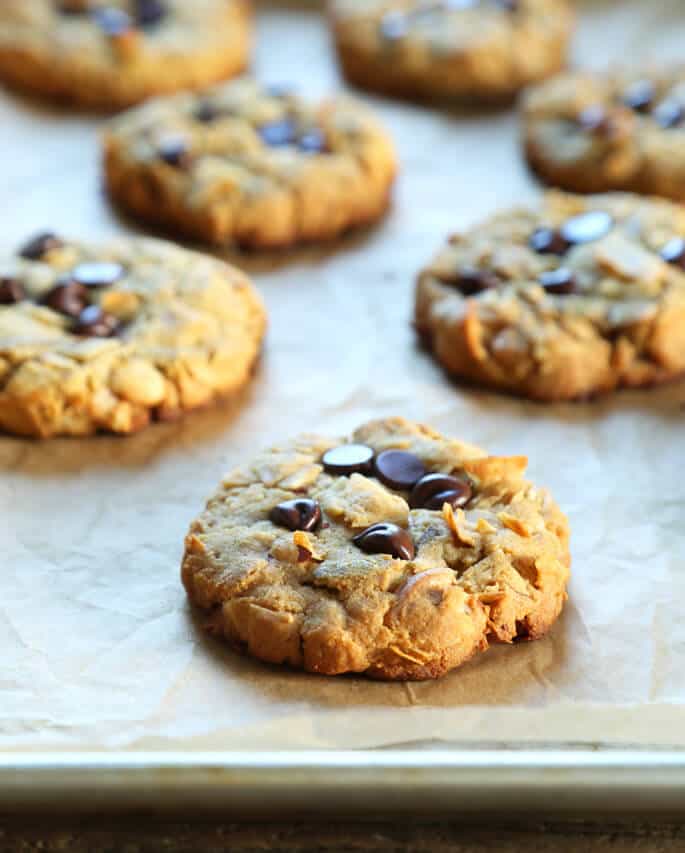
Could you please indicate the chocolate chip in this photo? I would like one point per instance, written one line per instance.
(639, 96)
(670, 113)
(394, 26)
(174, 151)
(206, 112)
(348, 459)
(278, 132)
(11, 291)
(93, 322)
(97, 273)
(386, 538)
(299, 514)
(674, 252)
(67, 297)
(398, 469)
(597, 120)
(40, 245)
(560, 280)
(149, 12)
(312, 141)
(586, 227)
(471, 281)
(433, 490)
(548, 241)
(74, 7)
(113, 22)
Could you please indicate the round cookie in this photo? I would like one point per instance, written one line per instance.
(398, 553)
(114, 336)
(463, 49)
(109, 54)
(623, 130)
(255, 166)
(579, 296)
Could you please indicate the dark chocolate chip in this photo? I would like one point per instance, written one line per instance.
(97, 273)
(586, 227)
(398, 469)
(113, 22)
(471, 281)
(386, 538)
(174, 151)
(149, 12)
(67, 297)
(597, 120)
(430, 492)
(278, 132)
(11, 291)
(670, 113)
(312, 141)
(299, 514)
(639, 96)
(93, 322)
(206, 112)
(548, 241)
(560, 280)
(348, 459)
(40, 245)
(674, 252)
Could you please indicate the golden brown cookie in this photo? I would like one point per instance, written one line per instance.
(398, 553)
(463, 49)
(255, 166)
(578, 296)
(623, 130)
(108, 54)
(110, 337)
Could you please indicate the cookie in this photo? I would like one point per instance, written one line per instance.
(254, 166)
(463, 49)
(578, 296)
(623, 130)
(109, 54)
(397, 553)
(111, 337)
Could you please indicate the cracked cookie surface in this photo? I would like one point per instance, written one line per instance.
(623, 130)
(398, 553)
(109, 55)
(579, 296)
(464, 49)
(252, 165)
(109, 337)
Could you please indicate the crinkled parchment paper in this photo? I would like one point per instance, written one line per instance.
(97, 645)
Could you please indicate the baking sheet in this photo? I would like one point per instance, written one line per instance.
(98, 649)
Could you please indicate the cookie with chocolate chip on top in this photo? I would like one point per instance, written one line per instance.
(110, 54)
(254, 165)
(457, 49)
(575, 297)
(619, 130)
(398, 553)
(110, 337)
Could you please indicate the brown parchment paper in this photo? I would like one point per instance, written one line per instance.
(97, 646)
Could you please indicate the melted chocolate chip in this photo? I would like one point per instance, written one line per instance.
(639, 96)
(299, 514)
(471, 281)
(93, 322)
(674, 252)
(174, 151)
(149, 12)
(312, 142)
(278, 133)
(433, 490)
(113, 22)
(67, 297)
(386, 538)
(40, 245)
(560, 280)
(398, 469)
(586, 227)
(11, 291)
(206, 112)
(548, 241)
(348, 459)
(97, 273)
(670, 113)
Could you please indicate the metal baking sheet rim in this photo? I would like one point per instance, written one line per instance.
(572, 782)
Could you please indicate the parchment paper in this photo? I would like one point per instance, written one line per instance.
(97, 645)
